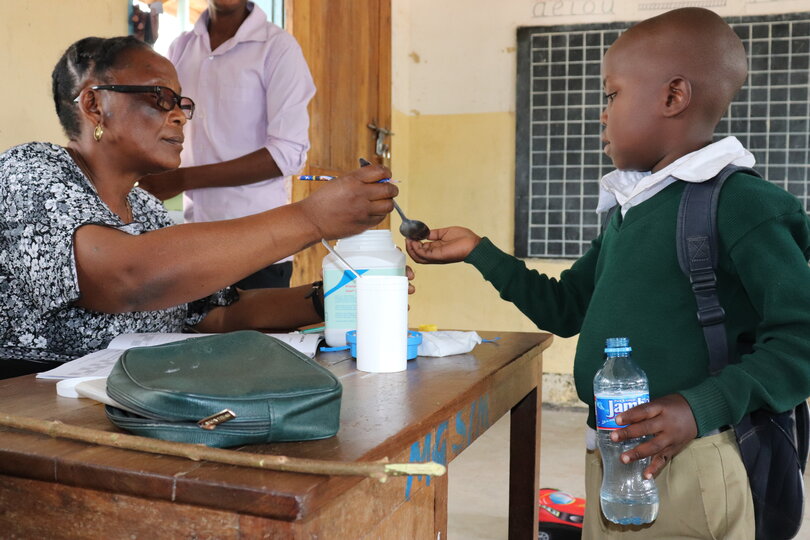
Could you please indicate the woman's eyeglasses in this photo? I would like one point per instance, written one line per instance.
(166, 98)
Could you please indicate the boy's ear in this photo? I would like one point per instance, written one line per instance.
(679, 94)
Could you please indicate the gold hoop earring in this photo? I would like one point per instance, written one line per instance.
(98, 132)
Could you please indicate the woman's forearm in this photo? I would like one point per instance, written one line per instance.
(263, 309)
(119, 272)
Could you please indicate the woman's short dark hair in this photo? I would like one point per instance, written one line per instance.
(91, 56)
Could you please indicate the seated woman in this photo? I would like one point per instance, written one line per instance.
(85, 255)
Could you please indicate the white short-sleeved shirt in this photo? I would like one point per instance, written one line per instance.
(44, 199)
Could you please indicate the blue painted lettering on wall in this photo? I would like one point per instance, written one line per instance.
(435, 448)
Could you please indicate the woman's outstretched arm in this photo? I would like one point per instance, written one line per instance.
(118, 272)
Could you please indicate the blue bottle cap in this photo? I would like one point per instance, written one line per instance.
(617, 345)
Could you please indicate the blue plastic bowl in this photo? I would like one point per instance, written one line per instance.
(414, 339)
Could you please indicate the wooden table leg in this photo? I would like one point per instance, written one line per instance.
(524, 467)
(440, 484)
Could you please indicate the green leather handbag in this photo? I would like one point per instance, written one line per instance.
(224, 390)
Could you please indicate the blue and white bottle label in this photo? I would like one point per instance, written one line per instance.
(608, 406)
(340, 294)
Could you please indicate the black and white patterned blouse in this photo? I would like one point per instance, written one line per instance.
(44, 198)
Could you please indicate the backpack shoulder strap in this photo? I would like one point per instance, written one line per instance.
(697, 244)
(607, 216)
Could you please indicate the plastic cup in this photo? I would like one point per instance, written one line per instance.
(382, 324)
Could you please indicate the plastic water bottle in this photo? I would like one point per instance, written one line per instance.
(627, 498)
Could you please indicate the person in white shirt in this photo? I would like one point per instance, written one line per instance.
(251, 84)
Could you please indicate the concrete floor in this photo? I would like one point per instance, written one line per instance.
(478, 490)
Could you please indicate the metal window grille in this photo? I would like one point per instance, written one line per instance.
(559, 157)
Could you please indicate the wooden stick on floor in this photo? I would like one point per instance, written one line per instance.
(196, 452)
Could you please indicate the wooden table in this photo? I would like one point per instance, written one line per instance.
(54, 488)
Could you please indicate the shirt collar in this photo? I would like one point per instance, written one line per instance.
(253, 28)
(631, 188)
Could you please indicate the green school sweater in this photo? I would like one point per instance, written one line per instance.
(629, 284)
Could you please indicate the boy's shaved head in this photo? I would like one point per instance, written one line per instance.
(668, 81)
(694, 43)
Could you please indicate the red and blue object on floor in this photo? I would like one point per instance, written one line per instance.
(560, 515)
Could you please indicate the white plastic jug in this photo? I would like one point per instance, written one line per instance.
(372, 252)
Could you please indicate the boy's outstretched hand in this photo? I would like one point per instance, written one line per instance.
(448, 245)
(671, 422)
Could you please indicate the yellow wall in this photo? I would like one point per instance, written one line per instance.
(461, 173)
(33, 35)
(454, 102)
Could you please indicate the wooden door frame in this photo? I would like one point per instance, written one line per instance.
(307, 263)
(384, 81)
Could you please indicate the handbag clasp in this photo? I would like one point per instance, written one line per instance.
(210, 422)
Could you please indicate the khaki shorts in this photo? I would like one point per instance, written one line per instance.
(703, 493)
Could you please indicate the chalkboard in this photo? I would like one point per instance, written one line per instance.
(559, 158)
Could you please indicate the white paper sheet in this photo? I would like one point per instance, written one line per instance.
(100, 363)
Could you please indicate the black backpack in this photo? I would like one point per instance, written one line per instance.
(773, 446)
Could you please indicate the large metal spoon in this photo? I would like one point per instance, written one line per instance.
(412, 229)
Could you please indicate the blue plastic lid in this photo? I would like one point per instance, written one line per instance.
(414, 339)
(617, 345)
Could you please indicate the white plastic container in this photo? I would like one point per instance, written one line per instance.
(382, 324)
(370, 253)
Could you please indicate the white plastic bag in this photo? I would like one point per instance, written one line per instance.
(447, 342)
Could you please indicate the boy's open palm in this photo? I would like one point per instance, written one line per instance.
(669, 419)
(448, 245)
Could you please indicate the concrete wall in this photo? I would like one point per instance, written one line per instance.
(33, 35)
(454, 102)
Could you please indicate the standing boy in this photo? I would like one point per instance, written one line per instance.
(251, 85)
(668, 81)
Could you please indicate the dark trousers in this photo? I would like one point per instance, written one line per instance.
(273, 277)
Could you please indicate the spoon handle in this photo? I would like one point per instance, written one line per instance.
(399, 210)
(364, 163)
(332, 250)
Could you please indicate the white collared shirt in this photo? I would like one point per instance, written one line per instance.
(631, 188)
(251, 92)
